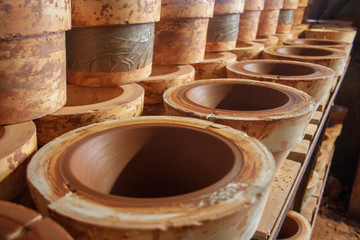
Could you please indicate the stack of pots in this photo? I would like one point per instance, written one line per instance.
(269, 17)
(286, 18)
(33, 75)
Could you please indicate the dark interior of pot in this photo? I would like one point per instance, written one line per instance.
(289, 228)
(237, 97)
(278, 68)
(209, 56)
(315, 42)
(149, 161)
(303, 51)
(158, 70)
(83, 95)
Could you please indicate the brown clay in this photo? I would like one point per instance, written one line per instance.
(303, 3)
(146, 185)
(315, 80)
(268, 22)
(180, 41)
(328, 43)
(285, 22)
(298, 16)
(20, 19)
(228, 7)
(88, 105)
(328, 57)
(295, 227)
(172, 9)
(247, 50)
(18, 144)
(18, 222)
(268, 41)
(340, 34)
(273, 4)
(33, 77)
(248, 26)
(291, 4)
(283, 37)
(213, 65)
(86, 13)
(275, 114)
(254, 5)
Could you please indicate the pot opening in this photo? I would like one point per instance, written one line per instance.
(149, 161)
(237, 97)
(289, 228)
(281, 69)
(303, 51)
(83, 95)
(158, 70)
(315, 42)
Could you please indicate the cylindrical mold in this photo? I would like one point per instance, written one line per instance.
(25, 223)
(29, 18)
(268, 22)
(282, 37)
(275, 114)
(291, 4)
(88, 105)
(340, 34)
(18, 144)
(285, 22)
(228, 6)
(327, 43)
(33, 77)
(295, 227)
(273, 4)
(213, 65)
(314, 79)
(248, 26)
(303, 3)
(268, 41)
(180, 36)
(298, 16)
(311, 187)
(162, 78)
(160, 177)
(247, 50)
(328, 57)
(254, 5)
(111, 42)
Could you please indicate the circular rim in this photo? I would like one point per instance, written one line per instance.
(304, 227)
(305, 41)
(245, 187)
(214, 57)
(179, 70)
(249, 46)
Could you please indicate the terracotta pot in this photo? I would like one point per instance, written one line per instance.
(268, 22)
(18, 144)
(33, 79)
(247, 50)
(340, 34)
(315, 80)
(328, 57)
(295, 227)
(321, 43)
(311, 187)
(25, 223)
(283, 37)
(303, 3)
(273, 4)
(229, 7)
(291, 4)
(285, 22)
(88, 105)
(275, 114)
(162, 78)
(254, 5)
(86, 13)
(20, 19)
(153, 189)
(268, 41)
(171, 9)
(214, 65)
(248, 26)
(298, 16)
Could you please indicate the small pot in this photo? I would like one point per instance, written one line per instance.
(295, 227)
(247, 50)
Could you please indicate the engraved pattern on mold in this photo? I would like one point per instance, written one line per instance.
(223, 28)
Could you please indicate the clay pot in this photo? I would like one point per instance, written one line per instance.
(315, 80)
(248, 26)
(228, 6)
(273, 4)
(30, 18)
(162, 78)
(275, 114)
(247, 50)
(33, 77)
(298, 16)
(149, 185)
(254, 5)
(180, 36)
(295, 227)
(25, 223)
(321, 43)
(282, 37)
(213, 65)
(339, 34)
(328, 57)
(303, 3)
(268, 22)
(285, 22)
(291, 4)
(87, 105)
(268, 41)
(311, 187)
(18, 143)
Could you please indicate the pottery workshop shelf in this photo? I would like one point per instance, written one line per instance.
(290, 182)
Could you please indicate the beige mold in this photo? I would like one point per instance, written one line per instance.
(147, 188)
(247, 50)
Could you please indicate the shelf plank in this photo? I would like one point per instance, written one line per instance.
(310, 132)
(316, 117)
(299, 152)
